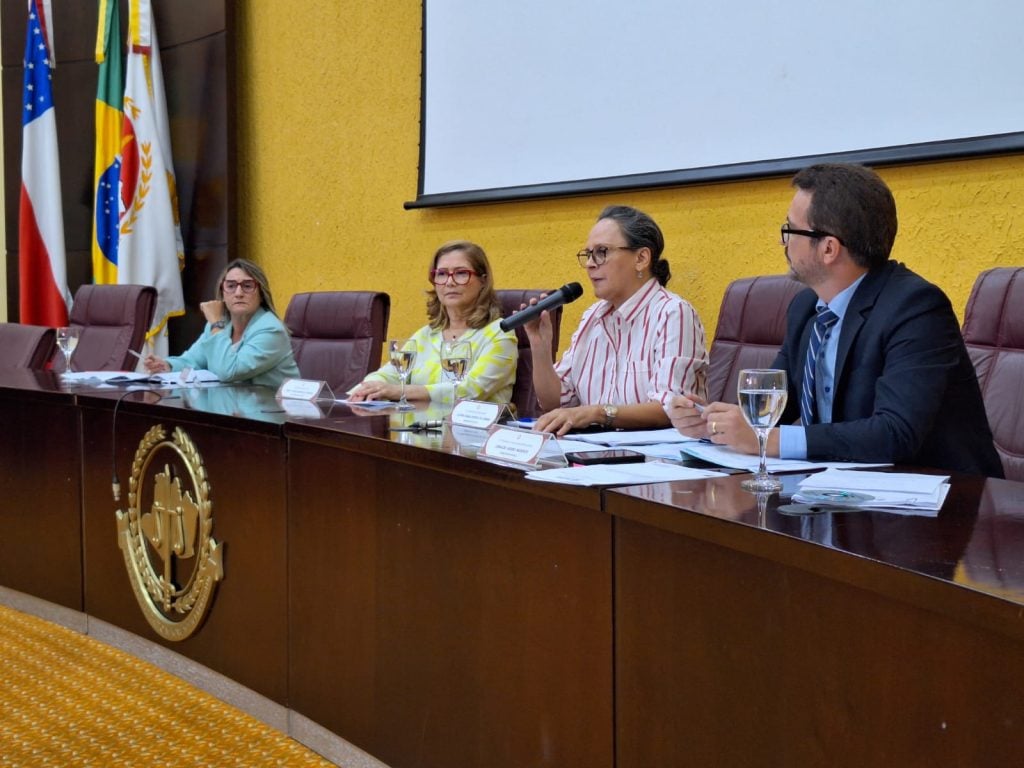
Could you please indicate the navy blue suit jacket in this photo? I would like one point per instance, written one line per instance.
(905, 389)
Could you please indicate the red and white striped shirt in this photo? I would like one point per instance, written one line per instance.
(649, 349)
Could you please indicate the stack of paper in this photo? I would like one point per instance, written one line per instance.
(618, 438)
(620, 474)
(724, 456)
(124, 378)
(874, 490)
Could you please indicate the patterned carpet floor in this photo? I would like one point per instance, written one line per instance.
(68, 700)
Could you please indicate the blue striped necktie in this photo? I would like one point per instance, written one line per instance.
(826, 319)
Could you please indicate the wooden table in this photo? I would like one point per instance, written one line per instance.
(40, 481)
(444, 611)
(843, 639)
(437, 610)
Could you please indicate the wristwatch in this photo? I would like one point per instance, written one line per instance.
(610, 412)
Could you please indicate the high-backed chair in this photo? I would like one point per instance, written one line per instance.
(523, 395)
(994, 333)
(338, 336)
(113, 319)
(751, 328)
(25, 346)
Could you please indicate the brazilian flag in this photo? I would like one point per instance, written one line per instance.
(109, 121)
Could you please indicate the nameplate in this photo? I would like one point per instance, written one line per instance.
(474, 413)
(514, 446)
(304, 389)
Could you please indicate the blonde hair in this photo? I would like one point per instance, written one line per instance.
(486, 309)
(257, 274)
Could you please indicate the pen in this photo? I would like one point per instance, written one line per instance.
(699, 408)
(135, 354)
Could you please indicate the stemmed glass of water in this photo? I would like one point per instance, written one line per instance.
(67, 341)
(762, 397)
(402, 354)
(455, 360)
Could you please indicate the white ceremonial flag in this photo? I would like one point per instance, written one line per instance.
(150, 251)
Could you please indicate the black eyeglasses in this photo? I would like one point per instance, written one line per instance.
(460, 276)
(785, 231)
(600, 254)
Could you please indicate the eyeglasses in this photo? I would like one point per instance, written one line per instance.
(785, 231)
(460, 276)
(600, 254)
(247, 286)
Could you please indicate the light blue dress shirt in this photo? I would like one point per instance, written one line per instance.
(793, 438)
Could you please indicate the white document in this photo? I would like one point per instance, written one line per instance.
(727, 457)
(874, 490)
(670, 451)
(636, 437)
(121, 378)
(620, 474)
(101, 377)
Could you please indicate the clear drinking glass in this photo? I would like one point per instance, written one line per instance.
(456, 357)
(402, 354)
(67, 341)
(762, 398)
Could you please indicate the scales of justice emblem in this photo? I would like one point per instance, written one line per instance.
(165, 535)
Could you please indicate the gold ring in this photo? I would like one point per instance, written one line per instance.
(714, 431)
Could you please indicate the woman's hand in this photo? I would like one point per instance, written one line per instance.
(375, 390)
(213, 310)
(561, 420)
(539, 331)
(154, 364)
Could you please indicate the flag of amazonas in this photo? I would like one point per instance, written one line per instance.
(109, 121)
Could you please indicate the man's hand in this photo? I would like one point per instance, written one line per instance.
(686, 412)
(726, 426)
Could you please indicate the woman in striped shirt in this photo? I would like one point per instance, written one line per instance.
(634, 349)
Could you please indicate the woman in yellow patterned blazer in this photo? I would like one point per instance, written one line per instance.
(461, 306)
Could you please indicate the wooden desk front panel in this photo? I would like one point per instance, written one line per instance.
(727, 658)
(441, 620)
(40, 491)
(245, 632)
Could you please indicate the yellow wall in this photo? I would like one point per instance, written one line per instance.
(328, 152)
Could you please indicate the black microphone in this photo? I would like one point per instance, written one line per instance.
(565, 294)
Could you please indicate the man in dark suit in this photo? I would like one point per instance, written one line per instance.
(876, 366)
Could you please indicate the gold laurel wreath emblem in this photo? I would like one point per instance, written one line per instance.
(177, 527)
(145, 176)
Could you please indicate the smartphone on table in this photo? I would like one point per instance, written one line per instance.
(609, 456)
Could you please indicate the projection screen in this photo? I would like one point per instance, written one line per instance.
(538, 98)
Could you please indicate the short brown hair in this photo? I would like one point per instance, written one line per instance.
(854, 204)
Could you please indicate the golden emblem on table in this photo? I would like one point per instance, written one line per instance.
(173, 561)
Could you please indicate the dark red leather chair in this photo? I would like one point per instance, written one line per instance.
(523, 395)
(994, 333)
(25, 346)
(113, 320)
(338, 336)
(751, 328)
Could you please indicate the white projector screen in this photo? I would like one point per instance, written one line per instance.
(538, 98)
